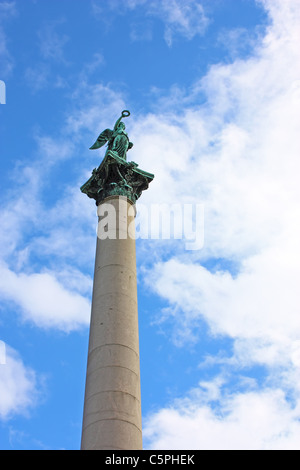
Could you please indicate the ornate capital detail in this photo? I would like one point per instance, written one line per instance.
(116, 177)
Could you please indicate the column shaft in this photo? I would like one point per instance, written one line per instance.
(112, 406)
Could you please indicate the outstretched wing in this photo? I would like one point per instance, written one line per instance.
(104, 137)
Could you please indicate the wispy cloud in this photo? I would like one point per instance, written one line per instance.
(48, 298)
(7, 10)
(51, 42)
(184, 18)
(37, 77)
(230, 141)
(18, 386)
(40, 74)
(56, 234)
(241, 159)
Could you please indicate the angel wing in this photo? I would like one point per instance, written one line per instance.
(104, 137)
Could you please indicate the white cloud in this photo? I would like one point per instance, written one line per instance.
(60, 236)
(19, 214)
(44, 301)
(53, 150)
(89, 103)
(256, 420)
(260, 305)
(238, 153)
(185, 18)
(18, 386)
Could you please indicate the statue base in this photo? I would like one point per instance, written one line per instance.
(116, 177)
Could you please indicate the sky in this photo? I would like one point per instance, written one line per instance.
(213, 87)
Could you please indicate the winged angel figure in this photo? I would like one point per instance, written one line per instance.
(117, 139)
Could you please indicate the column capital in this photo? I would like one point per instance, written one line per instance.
(116, 177)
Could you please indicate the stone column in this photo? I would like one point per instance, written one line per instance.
(112, 406)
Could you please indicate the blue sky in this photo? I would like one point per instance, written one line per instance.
(213, 87)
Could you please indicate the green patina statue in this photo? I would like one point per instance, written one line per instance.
(117, 138)
(115, 176)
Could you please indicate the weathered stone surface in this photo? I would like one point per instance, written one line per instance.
(112, 408)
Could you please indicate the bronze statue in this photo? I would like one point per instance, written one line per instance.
(115, 176)
(118, 140)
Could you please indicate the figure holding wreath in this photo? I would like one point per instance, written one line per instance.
(117, 139)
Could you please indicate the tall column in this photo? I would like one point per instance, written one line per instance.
(112, 406)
